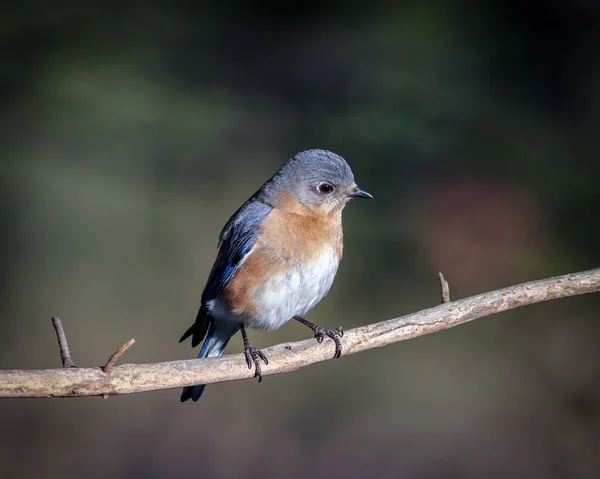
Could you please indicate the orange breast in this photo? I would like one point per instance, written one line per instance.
(286, 239)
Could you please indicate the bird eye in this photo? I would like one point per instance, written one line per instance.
(325, 188)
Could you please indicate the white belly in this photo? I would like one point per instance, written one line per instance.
(295, 293)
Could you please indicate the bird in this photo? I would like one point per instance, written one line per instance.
(277, 258)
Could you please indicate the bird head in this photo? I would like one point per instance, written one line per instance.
(315, 180)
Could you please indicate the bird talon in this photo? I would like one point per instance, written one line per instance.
(253, 358)
(334, 334)
(338, 350)
(258, 372)
(262, 356)
(320, 333)
(249, 361)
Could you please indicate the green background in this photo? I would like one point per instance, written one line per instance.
(129, 133)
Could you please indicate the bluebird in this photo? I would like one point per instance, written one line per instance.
(278, 256)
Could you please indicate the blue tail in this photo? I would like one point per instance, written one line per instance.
(214, 344)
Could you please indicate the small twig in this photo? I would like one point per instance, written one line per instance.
(65, 353)
(445, 289)
(117, 354)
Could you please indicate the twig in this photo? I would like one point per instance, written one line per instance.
(445, 289)
(65, 352)
(116, 355)
(135, 378)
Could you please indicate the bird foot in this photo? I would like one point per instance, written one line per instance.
(253, 358)
(320, 333)
(335, 334)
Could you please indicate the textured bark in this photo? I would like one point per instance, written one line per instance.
(132, 378)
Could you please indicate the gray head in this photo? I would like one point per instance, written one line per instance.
(317, 179)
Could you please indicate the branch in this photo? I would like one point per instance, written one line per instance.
(65, 352)
(445, 289)
(283, 358)
(116, 355)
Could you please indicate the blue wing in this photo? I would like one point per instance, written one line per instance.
(236, 240)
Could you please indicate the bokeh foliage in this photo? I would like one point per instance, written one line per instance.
(129, 132)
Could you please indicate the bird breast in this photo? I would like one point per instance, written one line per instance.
(288, 270)
(295, 292)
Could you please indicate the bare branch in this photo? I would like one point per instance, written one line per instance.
(445, 289)
(65, 352)
(116, 355)
(132, 378)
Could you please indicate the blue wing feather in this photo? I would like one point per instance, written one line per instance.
(235, 241)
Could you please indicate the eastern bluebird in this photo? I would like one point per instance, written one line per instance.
(278, 256)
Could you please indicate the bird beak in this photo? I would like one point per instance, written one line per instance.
(356, 192)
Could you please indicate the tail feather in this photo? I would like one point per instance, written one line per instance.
(199, 328)
(192, 392)
(214, 344)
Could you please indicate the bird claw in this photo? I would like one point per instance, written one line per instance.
(253, 358)
(334, 334)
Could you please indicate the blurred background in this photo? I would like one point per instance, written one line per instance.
(130, 131)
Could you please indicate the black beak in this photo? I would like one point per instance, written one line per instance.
(356, 192)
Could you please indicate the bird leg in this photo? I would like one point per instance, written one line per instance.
(253, 355)
(320, 333)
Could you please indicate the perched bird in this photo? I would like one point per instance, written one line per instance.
(278, 256)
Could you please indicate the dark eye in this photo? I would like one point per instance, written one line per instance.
(325, 188)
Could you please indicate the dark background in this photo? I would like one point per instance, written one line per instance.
(129, 132)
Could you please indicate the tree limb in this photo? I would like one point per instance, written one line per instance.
(132, 378)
